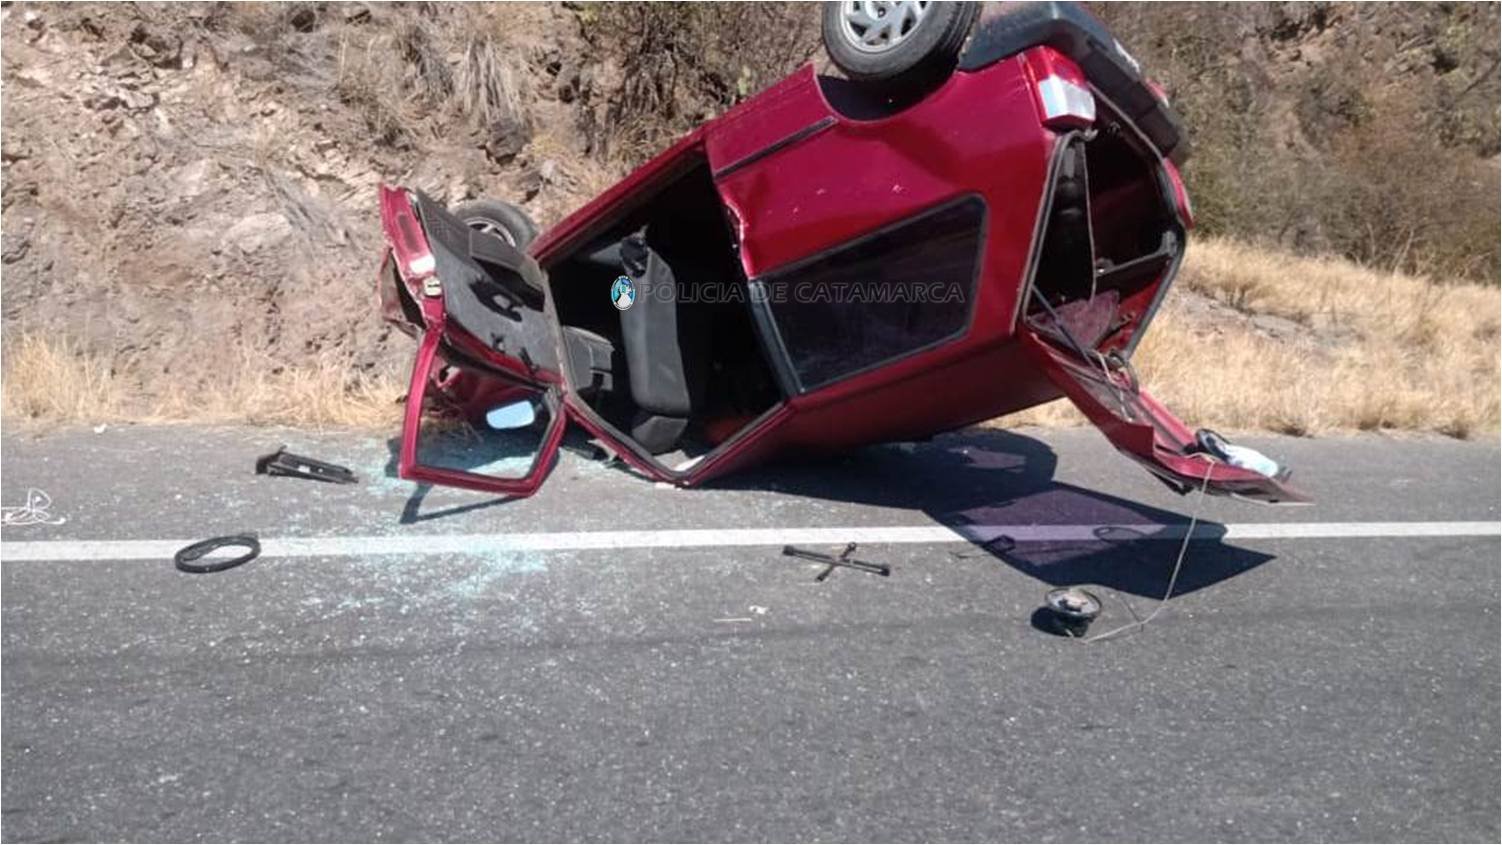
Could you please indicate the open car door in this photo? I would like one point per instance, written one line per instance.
(481, 310)
(1146, 431)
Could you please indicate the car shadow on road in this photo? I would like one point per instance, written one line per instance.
(969, 481)
(980, 478)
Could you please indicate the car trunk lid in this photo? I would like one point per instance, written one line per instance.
(1106, 392)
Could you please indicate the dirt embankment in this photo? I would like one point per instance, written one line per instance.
(189, 190)
(189, 226)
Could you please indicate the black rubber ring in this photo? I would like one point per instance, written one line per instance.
(186, 556)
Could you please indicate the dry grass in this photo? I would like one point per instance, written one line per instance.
(48, 382)
(325, 392)
(486, 85)
(486, 88)
(1372, 350)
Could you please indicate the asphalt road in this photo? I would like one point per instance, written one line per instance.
(1304, 687)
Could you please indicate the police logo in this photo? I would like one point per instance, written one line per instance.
(623, 293)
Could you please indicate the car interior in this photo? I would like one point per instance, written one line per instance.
(682, 369)
(1110, 237)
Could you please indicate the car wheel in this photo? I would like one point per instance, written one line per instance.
(501, 219)
(902, 44)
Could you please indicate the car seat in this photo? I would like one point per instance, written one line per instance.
(654, 354)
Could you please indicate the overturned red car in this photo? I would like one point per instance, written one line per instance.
(982, 217)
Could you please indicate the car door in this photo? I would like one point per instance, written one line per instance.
(1107, 393)
(485, 324)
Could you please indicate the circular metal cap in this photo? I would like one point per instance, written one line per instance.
(1073, 604)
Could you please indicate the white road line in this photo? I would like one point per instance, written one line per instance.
(449, 544)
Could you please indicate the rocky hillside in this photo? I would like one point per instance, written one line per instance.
(188, 189)
(1368, 130)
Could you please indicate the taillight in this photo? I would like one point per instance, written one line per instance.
(404, 234)
(1180, 193)
(1061, 90)
(1065, 103)
(1158, 91)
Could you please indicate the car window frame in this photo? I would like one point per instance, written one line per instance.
(765, 319)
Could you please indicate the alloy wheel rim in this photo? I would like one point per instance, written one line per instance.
(490, 227)
(877, 26)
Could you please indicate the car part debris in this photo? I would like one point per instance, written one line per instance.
(282, 462)
(1071, 610)
(998, 545)
(187, 557)
(1072, 600)
(1244, 457)
(844, 559)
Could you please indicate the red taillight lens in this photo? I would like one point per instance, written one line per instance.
(404, 234)
(1180, 194)
(1158, 91)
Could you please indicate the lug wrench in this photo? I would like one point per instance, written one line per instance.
(843, 560)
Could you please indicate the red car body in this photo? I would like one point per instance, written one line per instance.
(814, 178)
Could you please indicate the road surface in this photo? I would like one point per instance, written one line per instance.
(592, 663)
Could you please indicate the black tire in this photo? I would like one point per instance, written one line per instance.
(501, 218)
(923, 57)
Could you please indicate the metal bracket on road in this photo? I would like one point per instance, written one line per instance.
(282, 462)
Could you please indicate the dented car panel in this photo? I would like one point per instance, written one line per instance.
(816, 270)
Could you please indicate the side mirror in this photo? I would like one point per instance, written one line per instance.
(519, 414)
